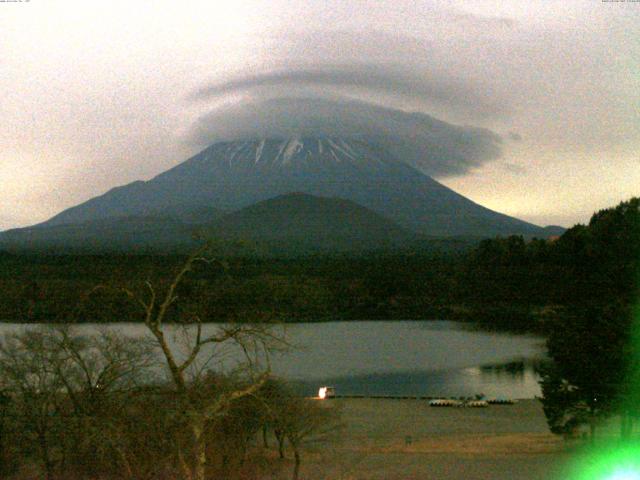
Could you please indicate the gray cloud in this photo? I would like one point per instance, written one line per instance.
(513, 168)
(383, 78)
(438, 148)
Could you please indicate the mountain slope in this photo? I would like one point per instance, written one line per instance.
(234, 175)
(109, 234)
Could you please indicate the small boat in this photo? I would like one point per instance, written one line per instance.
(476, 404)
(501, 401)
(444, 402)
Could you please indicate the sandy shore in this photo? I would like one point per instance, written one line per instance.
(408, 439)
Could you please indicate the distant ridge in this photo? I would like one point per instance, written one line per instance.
(312, 223)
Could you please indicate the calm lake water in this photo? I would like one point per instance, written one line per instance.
(431, 358)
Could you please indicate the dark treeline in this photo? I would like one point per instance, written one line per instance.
(593, 371)
(506, 283)
(61, 288)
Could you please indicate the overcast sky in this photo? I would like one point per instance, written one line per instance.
(538, 102)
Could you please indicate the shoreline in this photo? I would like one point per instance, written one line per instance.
(473, 325)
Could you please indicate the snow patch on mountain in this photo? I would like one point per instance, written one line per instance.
(293, 147)
(297, 151)
(259, 150)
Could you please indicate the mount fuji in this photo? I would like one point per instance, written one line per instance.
(229, 176)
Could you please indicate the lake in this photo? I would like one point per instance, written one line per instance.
(430, 358)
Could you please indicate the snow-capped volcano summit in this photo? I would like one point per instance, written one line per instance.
(235, 174)
(296, 151)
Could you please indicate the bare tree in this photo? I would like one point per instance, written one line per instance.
(253, 340)
(33, 386)
(98, 374)
(299, 420)
(91, 404)
(69, 388)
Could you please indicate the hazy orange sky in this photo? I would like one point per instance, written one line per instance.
(99, 94)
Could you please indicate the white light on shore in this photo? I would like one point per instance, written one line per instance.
(322, 393)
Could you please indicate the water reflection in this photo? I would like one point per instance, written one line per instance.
(514, 379)
(516, 370)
